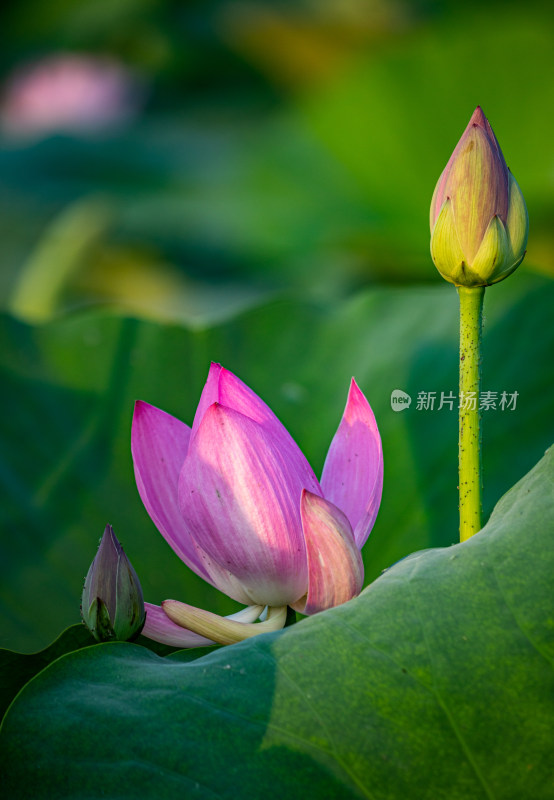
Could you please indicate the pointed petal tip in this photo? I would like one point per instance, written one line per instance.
(142, 408)
(143, 412)
(217, 411)
(357, 406)
(307, 497)
(108, 531)
(355, 395)
(478, 117)
(353, 470)
(139, 407)
(225, 387)
(224, 373)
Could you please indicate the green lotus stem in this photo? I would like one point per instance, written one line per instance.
(469, 447)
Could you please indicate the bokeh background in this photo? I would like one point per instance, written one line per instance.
(249, 182)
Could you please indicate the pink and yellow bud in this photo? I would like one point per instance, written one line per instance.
(478, 217)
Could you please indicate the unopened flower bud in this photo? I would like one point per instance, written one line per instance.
(112, 605)
(478, 218)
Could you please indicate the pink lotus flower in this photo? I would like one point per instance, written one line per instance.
(238, 502)
(69, 92)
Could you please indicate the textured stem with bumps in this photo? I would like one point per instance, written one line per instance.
(469, 447)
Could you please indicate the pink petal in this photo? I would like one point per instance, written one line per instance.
(336, 570)
(353, 473)
(209, 396)
(235, 394)
(223, 387)
(160, 628)
(159, 444)
(239, 494)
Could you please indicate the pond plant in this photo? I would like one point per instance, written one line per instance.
(479, 228)
(435, 681)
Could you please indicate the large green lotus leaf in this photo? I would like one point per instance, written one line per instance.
(16, 669)
(436, 682)
(68, 390)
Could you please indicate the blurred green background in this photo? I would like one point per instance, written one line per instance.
(249, 182)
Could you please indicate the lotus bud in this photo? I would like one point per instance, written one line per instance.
(112, 605)
(478, 218)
